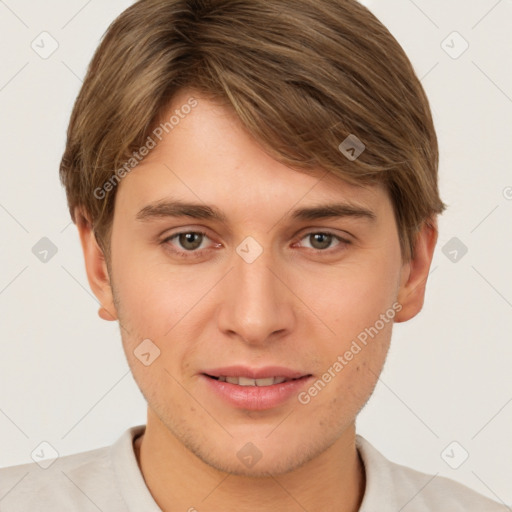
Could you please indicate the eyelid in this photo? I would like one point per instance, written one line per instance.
(168, 238)
(182, 253)
(169, 233)
(346, 237)
(341, 240)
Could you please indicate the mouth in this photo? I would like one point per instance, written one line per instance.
(255, 389)
(249, 381)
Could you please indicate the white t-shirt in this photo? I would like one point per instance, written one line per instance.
(108, 479)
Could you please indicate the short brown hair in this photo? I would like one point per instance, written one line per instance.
(301, 75)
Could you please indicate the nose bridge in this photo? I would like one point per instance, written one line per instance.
(256, 304)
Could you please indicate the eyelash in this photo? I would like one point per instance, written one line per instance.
(198, 253)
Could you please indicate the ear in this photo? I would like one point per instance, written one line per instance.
(96, 266)
(414, 273)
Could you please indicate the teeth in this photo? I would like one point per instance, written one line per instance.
(247, 381)
(265, 382)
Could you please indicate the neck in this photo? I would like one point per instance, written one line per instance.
(178, 480)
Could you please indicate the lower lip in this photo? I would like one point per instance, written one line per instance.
(256, 397)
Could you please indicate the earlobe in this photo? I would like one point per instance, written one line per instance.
(96, 267)
(415, 272)
(105, 315)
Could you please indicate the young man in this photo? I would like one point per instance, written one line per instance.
(255, 187)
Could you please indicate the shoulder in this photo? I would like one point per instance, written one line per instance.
(71, 482)
(403, 488)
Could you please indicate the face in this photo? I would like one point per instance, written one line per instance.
(271, 320)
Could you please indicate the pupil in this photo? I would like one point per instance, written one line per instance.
(326, 240)
(190, 238)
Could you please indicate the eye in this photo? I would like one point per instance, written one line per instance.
(188, 243)
(321, 240)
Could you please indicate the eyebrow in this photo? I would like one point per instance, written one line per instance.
(177, 208)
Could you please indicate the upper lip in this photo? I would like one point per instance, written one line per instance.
(255, 373)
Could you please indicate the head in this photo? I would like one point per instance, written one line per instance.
(249, 109)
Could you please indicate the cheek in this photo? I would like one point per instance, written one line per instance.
(353, 298)
(153, 295)
(348, 373)
(159, 303)
(358, 304)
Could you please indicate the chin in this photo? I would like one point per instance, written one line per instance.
(274, 464)
(257, 456)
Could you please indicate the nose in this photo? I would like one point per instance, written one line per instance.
(256, 304)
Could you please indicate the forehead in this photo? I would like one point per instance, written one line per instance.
(208, 156)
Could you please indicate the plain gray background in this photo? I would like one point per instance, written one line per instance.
(63, 376)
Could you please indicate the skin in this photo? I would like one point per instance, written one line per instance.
(300, 304)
